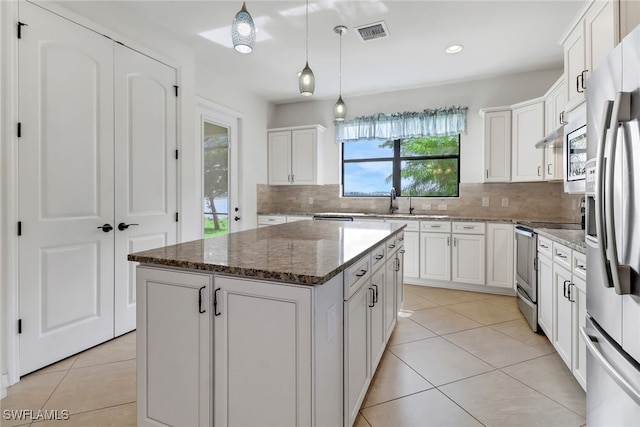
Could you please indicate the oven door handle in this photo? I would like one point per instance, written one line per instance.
(524, 231)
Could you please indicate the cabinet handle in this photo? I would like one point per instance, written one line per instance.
(539, 167)
(215, 303)
(581, 267)
(570, 297)
(542, 245)
(564, 292)
(392, 246)
(293, 178)
(487, 173)
(468, 227)
(435, 226)
(549, 168)
(379, 257)
(288, 178)
(455, 241)
(401, 239)
(578, 85)
(398, 263)
(448, 241)
(373, 295)
(402, 251)
(559, 255)
(362, 273)
(200, 310)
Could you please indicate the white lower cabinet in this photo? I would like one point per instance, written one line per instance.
(468, 264)
(435, 256)
(563, 321)
(500, 255)
(545, 295)
(412, 254)
(579, 298)
(173, 342)
(377, 308)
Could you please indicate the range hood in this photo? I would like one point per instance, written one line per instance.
(552, 139)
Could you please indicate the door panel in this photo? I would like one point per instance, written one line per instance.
(66, 188)
(145, 165)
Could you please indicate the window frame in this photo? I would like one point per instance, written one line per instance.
(396, 168)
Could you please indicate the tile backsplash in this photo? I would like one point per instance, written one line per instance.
(520, 201)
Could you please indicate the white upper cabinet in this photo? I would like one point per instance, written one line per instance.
(554, 104)
(527, 129)
(497, 144)
(295, 155)
(588, 43)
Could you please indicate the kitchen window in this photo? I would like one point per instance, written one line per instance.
(423, 166)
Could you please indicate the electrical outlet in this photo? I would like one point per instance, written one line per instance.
(344, 204)
(442, 207)
(505, 202)
(485, 201)
(310, 200)
(426, 207)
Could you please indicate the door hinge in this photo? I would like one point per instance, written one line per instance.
(20, 25)
(19, 228)
(177, 216)
(19, 326)
(176, 88)
(19, 130)
(177, 156)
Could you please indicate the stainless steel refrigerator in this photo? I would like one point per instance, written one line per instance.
(612, 331)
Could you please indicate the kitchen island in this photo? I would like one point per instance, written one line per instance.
(283, 325)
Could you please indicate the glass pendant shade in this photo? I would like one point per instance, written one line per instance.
(243, 31)
(340, 110)
(307, 81)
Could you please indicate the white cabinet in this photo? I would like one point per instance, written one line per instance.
(468, 253)
(173, 351)
(545, 295)
(267, 220)
(554, 104)
(251, 363)
(497, 144)
(435, 256)
(527, 129)
(578, 295)
(563, 319)
(411, 243)
(295, 155)
(377, 308)
(391, 286)
(500, 255)
(587, 45)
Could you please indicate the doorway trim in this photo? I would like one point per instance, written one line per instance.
(231, 119)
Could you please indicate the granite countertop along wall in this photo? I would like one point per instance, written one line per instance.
(571, 238)
(305, 253)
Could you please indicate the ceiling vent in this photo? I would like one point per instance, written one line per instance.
(374, 31)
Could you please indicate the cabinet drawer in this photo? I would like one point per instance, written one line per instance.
(378, 256)
(411, 225)
(468, 227)
(579, 265)
(436, 226)
(545, 246)
(562, 255)
(271, 219)
(356, 275)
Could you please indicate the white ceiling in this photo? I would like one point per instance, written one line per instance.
(499, 37)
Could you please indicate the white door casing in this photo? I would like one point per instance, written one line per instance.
(65, 188)
(145, 169)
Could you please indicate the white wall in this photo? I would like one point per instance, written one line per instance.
(494, 92)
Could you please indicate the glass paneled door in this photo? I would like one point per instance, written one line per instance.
(215, 170)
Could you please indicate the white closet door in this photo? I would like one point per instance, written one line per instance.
(145, 168)
(65, 188)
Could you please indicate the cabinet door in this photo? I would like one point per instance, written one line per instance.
(377, 308)
(563, 319)
(574, 65)
(545, 295)
(279, 152)
(553, 163)
(528, 128)
(303, 154)
(579, 298)
(500, 255)
(468, 264)
(435, 256)
(262, 344)
(601, 32)
(174, 382)
(357, 371)
(390, 311)
(400, 256)
(411, 260)
(497, 146)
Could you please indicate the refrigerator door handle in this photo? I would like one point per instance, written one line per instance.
(611, 371)
(601, 232)
(620, 275)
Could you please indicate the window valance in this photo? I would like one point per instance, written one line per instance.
(430, 122)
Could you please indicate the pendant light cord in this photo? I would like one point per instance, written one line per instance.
(307, 31)
(340, 73)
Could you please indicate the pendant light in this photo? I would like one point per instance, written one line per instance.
(340, 109)
(306, 81)
(243, 31)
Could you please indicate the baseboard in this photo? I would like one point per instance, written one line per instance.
(459, 286)
(4, 385)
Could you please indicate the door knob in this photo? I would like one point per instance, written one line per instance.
(122, 226)
(106, 228)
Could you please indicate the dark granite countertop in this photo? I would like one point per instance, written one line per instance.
(303, 252)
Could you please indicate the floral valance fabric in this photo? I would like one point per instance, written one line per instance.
(441, 121)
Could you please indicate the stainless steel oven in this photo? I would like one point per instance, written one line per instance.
(527, 273)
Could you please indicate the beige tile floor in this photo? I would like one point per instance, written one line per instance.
(455, 358)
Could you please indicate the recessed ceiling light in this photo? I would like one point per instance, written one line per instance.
(454, 48)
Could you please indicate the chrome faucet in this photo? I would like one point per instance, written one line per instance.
(393, 203)
(411, 208)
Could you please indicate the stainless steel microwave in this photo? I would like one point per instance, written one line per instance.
(575, 151)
